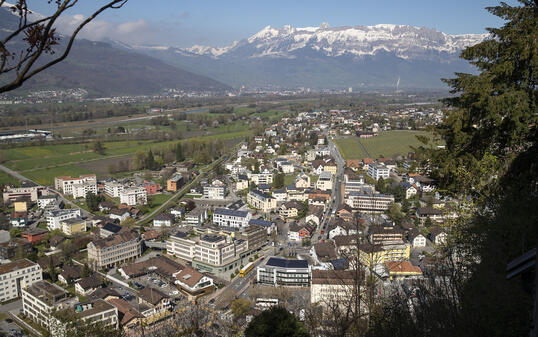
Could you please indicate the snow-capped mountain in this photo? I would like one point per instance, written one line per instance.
(401, 40)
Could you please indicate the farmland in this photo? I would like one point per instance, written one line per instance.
(386, 144)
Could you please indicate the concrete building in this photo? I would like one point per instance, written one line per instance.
(196, 217)
(15, 276)
(265, 177)
(113, 189)
(115, 249)
(44, 201)
(216, 190)
(14, 193)
(76, 187)
(73, 226)
(261, 201)
(134, 196)
(55, 217)
(231, 218)
(282, 272)
(376, 171)
(334, 286)
(42, 299)
(174, 183)
(325, 181)
(369, 202)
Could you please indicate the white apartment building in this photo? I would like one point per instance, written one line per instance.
(134, 196)
(369, 202)
(209, 249)
(332, 286)
(13, 193)
(261, 201)
(113, 189)
(265, 177)
(325, 181)
(76, 187)
(98, 311)
(216, 190)
(55, 217)
(42, 299)
(17, 275)
(376, 171)
(231, 218)
(44, 201)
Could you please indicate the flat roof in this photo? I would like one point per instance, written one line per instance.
(285, 263)
(230, 212)
(15, 265)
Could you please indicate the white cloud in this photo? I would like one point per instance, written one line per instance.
(133, 32)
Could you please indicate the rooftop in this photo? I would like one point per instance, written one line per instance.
(284, 263)
(231, 212)
(16, 265)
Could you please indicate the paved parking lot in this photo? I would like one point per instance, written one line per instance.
(7, 325)
(154, 281)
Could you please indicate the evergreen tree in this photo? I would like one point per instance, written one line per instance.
(151, 164)
(180, 156)
(276, 321)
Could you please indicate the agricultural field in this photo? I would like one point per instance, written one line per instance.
(386, 144)
(6, 179)
(43, 163)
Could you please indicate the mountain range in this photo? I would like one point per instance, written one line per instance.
(329, 57)
(104, 70)
(324, 57)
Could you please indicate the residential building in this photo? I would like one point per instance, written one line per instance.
(18, 219)
(298, 233)
(231, 218)
(193, 282)
(331, 167)
(134, 196)
(151, 187)
(15, 276)
(113, 189)
(16, 247)
(282, 272)
(325, 181)
(268, 225)
(376, 171)
(290, 209)
(302, 181)
(115, 249)
(88, 285)
(434, 214)
(370, 254)
(369, 202)
(385, 234)
(416, 238)
(163, 220)
(241, 182)
(153, 302)
(42, 299)
(438, 235)
(254, 235)
(280, 195)
(323, 253)
(34, 235)
(196, 217)
(76, 187)
(119, 214)
(174, 183)
(264, 177)
(14, 193)
(261, 201)
(216, 190)
(402, 270)
(109, 229)
(93, 312)
(55, 217)
(44, 201)
(329, 287)
(73, 226)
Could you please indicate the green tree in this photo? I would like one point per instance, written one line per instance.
(278, 181)
(380, 185)
(93, 200)
(85, 270)
(276, 321)
(151, 164)
(52, 271)
(179, 152)
(98, 147)
(240, 308)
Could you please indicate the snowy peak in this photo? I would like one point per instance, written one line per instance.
(402, 40)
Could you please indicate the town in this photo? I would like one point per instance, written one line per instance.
(281, 218)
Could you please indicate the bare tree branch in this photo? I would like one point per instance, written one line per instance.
(41, 39)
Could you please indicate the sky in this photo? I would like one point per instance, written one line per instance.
(220, 22)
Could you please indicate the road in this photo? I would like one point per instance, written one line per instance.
(15, 174)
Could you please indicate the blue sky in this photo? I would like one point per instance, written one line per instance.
(219, 23)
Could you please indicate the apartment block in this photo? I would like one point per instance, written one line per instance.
(113, 189)
(282, 272)
(17, 275)
(231, 218)
(76, 187)
(55, 217)
(134, 196)
(369, 202)
(376, 171)
(115, 249)
(261, 201)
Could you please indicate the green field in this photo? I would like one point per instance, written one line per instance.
(386, 144)
(6, 179)
(289, 179)
(43, 163)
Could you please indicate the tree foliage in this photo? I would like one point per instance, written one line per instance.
(276, 321)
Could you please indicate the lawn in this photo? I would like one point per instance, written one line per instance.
(289, 179)
(6, 179)
(157, 200)
(386, 144)
(46, 176)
